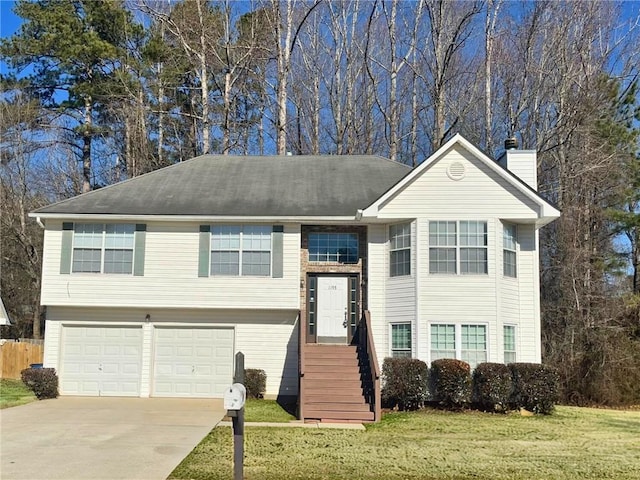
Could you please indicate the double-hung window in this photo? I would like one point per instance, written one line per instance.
(103, 248)
(241, 250)
(333, 247)
(509, 335)
(400, 250)
(443, 341)
(473, 348)
(465, 342)
(509, 244)
(401, 340)
(458, 247)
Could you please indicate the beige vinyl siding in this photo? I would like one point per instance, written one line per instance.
(376, 287)
(481, 192)
(268, 339)
(171, 276)
(51, 353)
(147, 358)
(528, 331)
(400, 301)
(489, 299)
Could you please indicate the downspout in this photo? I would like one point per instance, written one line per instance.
(39, 222)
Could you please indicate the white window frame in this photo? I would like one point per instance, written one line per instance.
(468, 352)
(457, 247)
(103, 246)
(457, 327)
(400, 242)
(509, 250)
(242, 231)
(514, 352)
(410, 349)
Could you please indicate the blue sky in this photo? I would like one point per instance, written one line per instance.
(9, 22)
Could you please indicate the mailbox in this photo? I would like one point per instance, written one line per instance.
(234, 397)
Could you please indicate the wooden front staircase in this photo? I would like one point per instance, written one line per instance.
(336, 382)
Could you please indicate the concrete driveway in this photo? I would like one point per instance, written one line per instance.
(87, 438)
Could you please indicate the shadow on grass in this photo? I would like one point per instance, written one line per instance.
(288, 404)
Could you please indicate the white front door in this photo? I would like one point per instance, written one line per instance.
(332, 309)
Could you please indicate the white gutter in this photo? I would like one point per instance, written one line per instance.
(191, 218)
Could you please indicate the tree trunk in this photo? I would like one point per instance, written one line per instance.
(86, 145)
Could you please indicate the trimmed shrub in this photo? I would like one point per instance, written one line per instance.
(450, 383)
(42, 381)
(404, 383)
(492, 386)
(255, 381)
(535, 387)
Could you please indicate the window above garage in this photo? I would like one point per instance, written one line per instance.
(111, 248)
(241, 251)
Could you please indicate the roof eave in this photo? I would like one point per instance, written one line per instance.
(193, 218)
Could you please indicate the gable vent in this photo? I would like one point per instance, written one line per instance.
(456, 171)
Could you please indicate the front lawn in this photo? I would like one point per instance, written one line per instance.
(265, 411)
(573, 443)
(14, 392)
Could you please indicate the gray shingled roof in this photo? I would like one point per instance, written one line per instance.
(246, 186)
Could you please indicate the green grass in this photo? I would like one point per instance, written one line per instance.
(265, 411)
(13, 393)
(573, 443)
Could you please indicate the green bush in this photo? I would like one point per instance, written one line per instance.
(450, 383)
(492, 386)
(255, 381)
(42, 381)
(404, 383)
(535, 387)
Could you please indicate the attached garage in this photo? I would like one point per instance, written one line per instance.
(192, 361)
(101, 360)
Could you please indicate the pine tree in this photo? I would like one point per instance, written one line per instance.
(69, 51)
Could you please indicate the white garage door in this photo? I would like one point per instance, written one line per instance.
(101, 361)
(192, 362)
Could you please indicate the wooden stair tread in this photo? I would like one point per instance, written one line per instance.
(340, 407)
(334, 386)
(327, 415)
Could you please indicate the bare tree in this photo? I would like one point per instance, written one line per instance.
(287, 19)
(450, 25)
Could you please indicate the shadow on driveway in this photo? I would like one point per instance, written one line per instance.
(110, 438)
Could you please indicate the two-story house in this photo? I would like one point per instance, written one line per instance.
(315, 267)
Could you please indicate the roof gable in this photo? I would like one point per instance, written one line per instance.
(544, 211)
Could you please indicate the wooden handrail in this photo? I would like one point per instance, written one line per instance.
(301, 365)
(366, 341)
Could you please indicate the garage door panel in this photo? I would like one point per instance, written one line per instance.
(204, 352)
(91, 350)
(192, 362)
(203, 369)
(101, 360)
(186, 351)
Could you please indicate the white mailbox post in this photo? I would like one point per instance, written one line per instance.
(234, 397)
